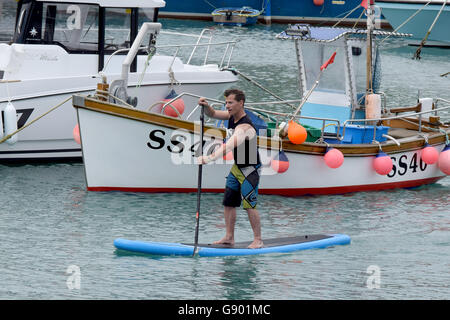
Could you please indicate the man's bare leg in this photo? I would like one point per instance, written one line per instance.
(255, 222)
(230, 221)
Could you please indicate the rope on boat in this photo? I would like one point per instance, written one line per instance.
(103, 95)
(259, 86)
(357, 20)
(151, 53)
(407, 20)
(33, 121)
(349, 13)
(422, 43)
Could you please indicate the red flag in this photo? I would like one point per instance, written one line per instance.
(330, 61)
(364, 3)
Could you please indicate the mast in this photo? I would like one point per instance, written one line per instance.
(370, 27)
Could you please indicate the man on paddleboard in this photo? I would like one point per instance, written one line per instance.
(243, 179)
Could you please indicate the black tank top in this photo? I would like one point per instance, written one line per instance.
(247, 153)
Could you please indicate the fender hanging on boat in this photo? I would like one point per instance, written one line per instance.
(10, 116)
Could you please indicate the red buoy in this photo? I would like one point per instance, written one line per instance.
(280, 163)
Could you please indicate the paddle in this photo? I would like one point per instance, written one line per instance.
(199, 184)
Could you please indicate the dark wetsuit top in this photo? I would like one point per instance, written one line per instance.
(247, 153)
(243, 180)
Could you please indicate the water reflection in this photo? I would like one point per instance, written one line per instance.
(239, 278)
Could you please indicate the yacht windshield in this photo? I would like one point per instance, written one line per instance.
(8, 10)
(76, 27)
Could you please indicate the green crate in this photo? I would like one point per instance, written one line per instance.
(271, 127)
(313, 133)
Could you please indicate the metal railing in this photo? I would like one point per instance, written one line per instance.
(279, 117)
(226, 55)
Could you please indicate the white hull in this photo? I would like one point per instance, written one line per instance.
(138, 158)
(61, 54)
(51, 137)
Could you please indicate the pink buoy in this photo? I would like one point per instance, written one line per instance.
(382, 163)
(444, 160)
(280, 163)
(334, 158)
(229, 155)
(76, 134)
(178, 104)
(429, 154)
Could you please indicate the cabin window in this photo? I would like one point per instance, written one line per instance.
(359, 65)
(117, 28)
(314, 56)
(73, 26)
(8, 10)
(146, 15)
(76, 27)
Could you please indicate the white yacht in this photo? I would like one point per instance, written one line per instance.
(59, 48)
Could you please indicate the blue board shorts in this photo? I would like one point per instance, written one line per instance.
(242, 184)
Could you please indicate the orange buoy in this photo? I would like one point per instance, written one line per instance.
(296, 133)
(318, 2)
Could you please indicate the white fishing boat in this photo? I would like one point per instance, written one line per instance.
(61, 47)
(353, 141)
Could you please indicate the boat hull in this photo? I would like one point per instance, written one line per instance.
(51, 136)
(153, 153)
(277, 11)
(235, 16)
(397, 13)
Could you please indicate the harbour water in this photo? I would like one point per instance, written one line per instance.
(56, 238)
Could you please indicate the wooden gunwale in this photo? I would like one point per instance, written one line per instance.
(390, 147)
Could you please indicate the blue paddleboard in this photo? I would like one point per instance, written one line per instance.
(287, 244)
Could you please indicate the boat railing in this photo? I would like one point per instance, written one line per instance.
(403, 117)
(199, 39)
(271, 116)
(225, 58)
(279, 117)
(226, 55)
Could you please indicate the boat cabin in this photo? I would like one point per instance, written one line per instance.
(83, 26)
(342, 85)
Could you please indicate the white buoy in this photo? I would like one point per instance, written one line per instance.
(373, 106)
(10, 116)
(427, 105)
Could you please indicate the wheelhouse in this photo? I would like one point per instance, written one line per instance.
(83, 27)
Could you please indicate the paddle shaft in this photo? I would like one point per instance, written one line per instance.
(199, 184)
